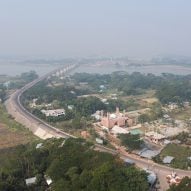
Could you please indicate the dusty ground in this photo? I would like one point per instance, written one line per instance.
(11, 138)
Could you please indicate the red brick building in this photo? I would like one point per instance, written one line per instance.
(117, 118)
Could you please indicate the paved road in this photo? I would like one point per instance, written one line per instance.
(23, 116)
(160, 170)
(44, 131)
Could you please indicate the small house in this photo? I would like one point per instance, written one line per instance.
(30, 181)
(167, 159)
(39, 145)
(99, 141)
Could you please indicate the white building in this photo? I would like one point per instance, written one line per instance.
(39, 145)
(99, 141)
(48, 180)
(167, 159)
(102, 87)
(53, 112)
(30, 181)
(104, 100)
(70, 107)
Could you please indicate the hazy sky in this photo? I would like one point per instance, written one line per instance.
(136, 28)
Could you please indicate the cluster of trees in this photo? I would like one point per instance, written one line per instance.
(2, 93)
(47, 94)
(21, 80)
(71, 165)
(16, 82)
(169, 87)
(123, 105)
(29, 76)
(132, 142)
(177, 90)
(67, 95)
(135, 83)
(94, 80)
(184, 137)
(155, 113)
(84, 107)
(130, 84)
(89, 105)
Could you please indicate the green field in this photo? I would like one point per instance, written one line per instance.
(180, 154)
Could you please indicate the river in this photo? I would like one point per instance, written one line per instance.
(13, 69)
(154, 69)
(41, 69)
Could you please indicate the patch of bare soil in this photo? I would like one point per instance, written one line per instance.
(10, 138)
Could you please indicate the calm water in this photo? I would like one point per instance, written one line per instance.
(157, 69)
(16, 69)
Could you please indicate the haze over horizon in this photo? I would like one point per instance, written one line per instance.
(60, 28)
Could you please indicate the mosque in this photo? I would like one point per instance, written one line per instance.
(116, 119)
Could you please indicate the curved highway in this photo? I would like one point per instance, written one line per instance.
(39, 127)
(43, 130)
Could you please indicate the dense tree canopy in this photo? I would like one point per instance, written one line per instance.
(29, 76)
(72, 165)
(154, 113)
(169, 87)
(132, 142)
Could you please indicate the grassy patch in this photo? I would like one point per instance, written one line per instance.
(181, 114)
(11, 132)
(180, 154)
